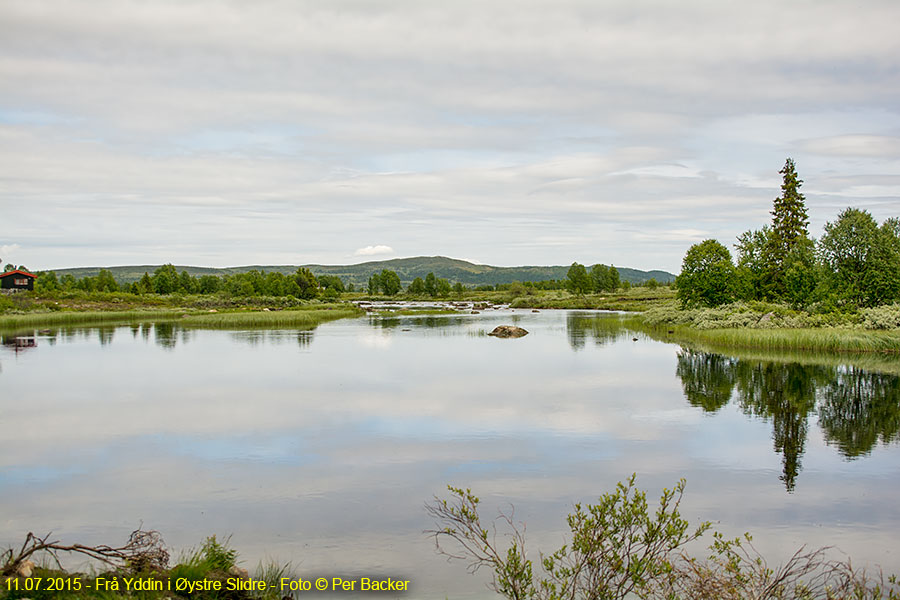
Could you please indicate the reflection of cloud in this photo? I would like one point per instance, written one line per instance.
(373, 251)
(376, 339)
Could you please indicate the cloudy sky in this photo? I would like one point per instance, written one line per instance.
(506, 132)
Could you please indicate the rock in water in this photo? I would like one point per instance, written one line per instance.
(508, 331)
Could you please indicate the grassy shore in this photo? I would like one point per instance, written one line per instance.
(301, 317)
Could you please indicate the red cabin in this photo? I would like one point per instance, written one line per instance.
(17, 280)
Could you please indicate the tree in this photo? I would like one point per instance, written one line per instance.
(390, 282)
(707, 275)
(789, 217)
(165, 279)
(847, 249)
(882, 280)
(789, 221)
(458, 288)
(417, 287)
(105, 282)
(374, 284)
(578, 280)
(306, 281)
(209, 284)
(145, 284)
(442, 287)
(752, 264)
(605, 278)
(47, 281)
(430, 285)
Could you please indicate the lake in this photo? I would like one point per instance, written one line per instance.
(321, 448)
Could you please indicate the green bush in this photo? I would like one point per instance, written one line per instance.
(881, 317)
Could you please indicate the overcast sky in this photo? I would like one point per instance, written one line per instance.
(219, 133)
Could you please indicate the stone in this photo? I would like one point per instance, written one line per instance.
(237, 571)
(508, 331)
(25, 568)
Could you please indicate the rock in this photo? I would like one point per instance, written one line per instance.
(535, 310)
(237, 571)
(25, 568)
(508, 331)
(212, 310)
(475, 312)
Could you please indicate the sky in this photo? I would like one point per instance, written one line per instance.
(505, 132)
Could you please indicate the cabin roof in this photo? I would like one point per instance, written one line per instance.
(18, 272)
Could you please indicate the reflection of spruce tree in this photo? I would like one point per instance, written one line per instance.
(786, 393)
(707, 379)
(859, 408)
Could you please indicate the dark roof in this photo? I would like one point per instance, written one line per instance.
(18, 272)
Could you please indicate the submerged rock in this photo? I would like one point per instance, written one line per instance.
(508, 331)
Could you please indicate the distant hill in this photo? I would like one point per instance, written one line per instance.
(407, 268)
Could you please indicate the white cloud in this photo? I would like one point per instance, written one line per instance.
(374, 251)
(222, 133)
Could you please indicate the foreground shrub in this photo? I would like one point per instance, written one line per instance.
(620, 549)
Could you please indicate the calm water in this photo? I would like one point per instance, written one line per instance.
(321, 448)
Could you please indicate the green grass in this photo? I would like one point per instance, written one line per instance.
(825, 339)
(18, 322)
(305, 317)
(281, 318)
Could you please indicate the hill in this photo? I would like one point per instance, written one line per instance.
(407, 268)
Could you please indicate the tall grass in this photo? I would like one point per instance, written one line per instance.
(303, 317)
(40, 319)
(825, 339)
(281, 318)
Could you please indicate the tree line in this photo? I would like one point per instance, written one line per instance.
(856, 262)
(166, 280)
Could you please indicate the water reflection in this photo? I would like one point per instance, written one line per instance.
(707, 379)
(18, 343)
(856, 408)
(581, 327)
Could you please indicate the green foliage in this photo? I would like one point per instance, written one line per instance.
(332, 282)
(707, 275)
(605, 278)
(165, 279)
(389, 282)
(789, 218)
(619, 548)
(417, 287)
(577, 279)
(442, 288)
(307, 286)
(430, 284)
(752, 279)
(374, 284)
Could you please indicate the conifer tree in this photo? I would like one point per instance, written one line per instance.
(789, 217)
(789, 222)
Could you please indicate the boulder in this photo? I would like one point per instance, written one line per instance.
(508, 331)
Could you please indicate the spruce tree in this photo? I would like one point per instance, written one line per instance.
(789, 221)
(789, 218)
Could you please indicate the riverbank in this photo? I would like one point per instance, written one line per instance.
(305, 316)
(772, 327)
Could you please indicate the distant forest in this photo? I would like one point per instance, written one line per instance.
(453, 270)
